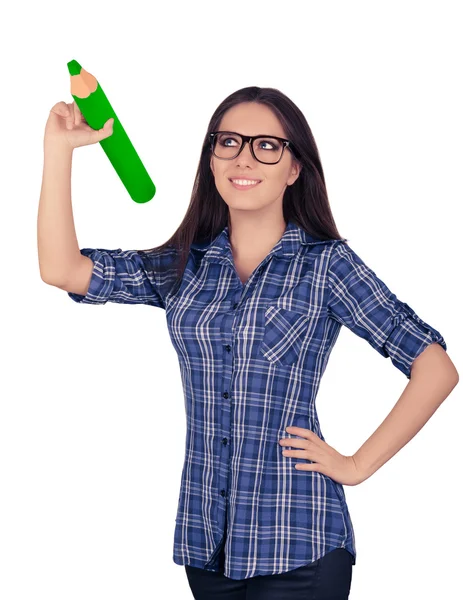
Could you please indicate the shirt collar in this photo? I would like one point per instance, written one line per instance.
(293, 237)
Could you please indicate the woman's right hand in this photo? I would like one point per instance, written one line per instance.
(66, 124)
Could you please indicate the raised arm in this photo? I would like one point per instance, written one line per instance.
(58, 250)
(90, 276)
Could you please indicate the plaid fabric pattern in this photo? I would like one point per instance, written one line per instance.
(251, 359)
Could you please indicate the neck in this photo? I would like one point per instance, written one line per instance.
(255, 237)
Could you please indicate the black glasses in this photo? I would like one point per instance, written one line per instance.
(266, 149)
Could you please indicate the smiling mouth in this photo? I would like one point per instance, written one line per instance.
(246, 186)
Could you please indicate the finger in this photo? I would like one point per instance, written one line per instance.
(80, 118)
(308, 454)
(294, 443)
(77, 115)
(295, 454)
(63, 110)
(307, 467)
(69, 117)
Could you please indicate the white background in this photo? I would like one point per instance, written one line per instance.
(92, 423)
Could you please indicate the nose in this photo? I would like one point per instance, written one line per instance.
(245, 156)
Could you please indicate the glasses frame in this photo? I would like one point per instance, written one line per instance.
(250, 139)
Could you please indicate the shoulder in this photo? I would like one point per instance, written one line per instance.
(342, 255)
(327, 252)
(160, 258)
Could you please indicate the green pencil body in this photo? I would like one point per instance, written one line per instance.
(96, 108)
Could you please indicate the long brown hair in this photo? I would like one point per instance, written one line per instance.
(305, 202)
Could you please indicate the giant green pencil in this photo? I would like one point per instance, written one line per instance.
(95, 107)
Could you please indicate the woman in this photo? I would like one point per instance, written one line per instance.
(256, 284)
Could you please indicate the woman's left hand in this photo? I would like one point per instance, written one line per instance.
(326, 459)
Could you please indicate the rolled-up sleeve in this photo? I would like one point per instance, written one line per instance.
(121, 276)
(362, 302)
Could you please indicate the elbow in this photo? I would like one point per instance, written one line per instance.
(434, 362)
(449, 372)
(453, 379)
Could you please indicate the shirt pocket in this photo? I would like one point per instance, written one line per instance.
(284, 332)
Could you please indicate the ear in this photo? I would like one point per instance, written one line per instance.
(211, 163)
(295, 172)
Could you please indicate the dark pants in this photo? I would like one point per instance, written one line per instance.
(328, 578)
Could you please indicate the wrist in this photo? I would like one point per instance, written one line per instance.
(57, 146)
(362, 474)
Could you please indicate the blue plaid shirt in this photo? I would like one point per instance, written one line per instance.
(251, 359)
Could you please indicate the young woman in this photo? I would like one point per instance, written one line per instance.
(256, 284)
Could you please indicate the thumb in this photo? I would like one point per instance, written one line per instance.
(107, 131)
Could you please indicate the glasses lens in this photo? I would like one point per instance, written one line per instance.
(267, 149)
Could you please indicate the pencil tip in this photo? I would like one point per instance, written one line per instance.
(74, 67)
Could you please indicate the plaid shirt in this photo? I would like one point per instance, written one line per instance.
(251, 359)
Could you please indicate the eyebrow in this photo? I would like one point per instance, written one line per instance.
(257, 134)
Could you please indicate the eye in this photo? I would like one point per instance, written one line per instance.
(223, 141)
(273, 147)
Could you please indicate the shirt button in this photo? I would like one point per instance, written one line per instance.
(225, 395)
(228, 347)
(224, 441)
(223, 492)
(235, 305)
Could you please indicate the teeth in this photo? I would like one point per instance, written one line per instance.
(244, 181)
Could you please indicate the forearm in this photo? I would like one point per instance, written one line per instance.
(430, 383)
(56, 236)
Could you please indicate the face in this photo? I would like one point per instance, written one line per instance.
(250, 118)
